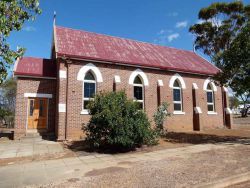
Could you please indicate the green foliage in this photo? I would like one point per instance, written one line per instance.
(117, 122)
(220, 24)
(224, 35)
(8, 94)
(160, 116)
(234, 102)
(7, 102)
(13, 14)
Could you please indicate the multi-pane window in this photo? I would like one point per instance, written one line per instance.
(89, 89)
(177, 96)
(138, 91)
(210, 98)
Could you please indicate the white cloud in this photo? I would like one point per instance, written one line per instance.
(181, 24)
(165, 36)
(173, 37)
(173, 14)
(29, 29)
(164, 31)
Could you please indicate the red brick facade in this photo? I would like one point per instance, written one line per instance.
(70, 92)
(33, 85)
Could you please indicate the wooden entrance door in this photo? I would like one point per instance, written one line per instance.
(37, 113)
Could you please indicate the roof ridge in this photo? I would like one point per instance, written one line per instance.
(190, 51)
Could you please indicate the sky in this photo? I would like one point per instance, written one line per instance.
(163, 22)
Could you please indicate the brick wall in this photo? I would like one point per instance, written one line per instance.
(72, 88)
(32, 85)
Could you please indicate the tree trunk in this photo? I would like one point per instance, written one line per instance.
(244, 112)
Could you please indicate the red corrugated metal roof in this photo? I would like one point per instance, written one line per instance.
(87, 45)
(37, 67)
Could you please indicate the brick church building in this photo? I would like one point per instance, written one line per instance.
(52, 94)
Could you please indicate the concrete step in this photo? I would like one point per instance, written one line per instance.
(36, 136)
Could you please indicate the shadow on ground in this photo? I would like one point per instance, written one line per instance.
(85, 148)
(194, 138)
(177, 139)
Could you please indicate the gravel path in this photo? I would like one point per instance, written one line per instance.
(177, 171)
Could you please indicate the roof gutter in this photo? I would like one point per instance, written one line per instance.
(131, 65)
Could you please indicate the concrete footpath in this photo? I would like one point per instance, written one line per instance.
(44, 172)
(28, 148)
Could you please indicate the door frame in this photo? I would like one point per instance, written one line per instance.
(37, 95)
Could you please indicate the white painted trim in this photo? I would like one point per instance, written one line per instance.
(206, 82)
(27, 114)
(228, 111)
(84, 112)
(179, 113)
(117, 79)
(195, 86)
(212, 113)
(62, 74)
(15, 65)
(61, 107)
(181, 80)
(160, 83)
(225, 89)
(141, 74)
(39, 95)
(197, 110)
(86, 68)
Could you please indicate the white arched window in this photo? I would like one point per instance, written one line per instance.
(210, 98)
(139, 91)
(89, 88)
(177, 96)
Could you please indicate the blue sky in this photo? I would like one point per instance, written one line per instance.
(163, 22)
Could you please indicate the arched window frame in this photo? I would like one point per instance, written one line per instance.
(210, 103)
(182, 85)
(141, 87)
(180, 101)
(209, 82)
(81, 77)
(87, 83)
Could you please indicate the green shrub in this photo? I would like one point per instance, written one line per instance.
(159, 117)
(117, 121)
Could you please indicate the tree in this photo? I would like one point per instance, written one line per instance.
(160, 116)
(8, 101)
(117, 122)
(233, 102)
(235, 63)
(220, 24)
(224, 35)
(13, 14)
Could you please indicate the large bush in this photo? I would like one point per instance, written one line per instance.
(117, 121)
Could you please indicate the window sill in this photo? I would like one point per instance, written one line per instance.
(84, 112)
(212, 113)
(179, 113)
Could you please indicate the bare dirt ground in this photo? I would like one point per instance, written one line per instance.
(173, 171)
(241, 185)
(180, 170)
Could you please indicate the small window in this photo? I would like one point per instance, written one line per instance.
(89, 89)
(31, 107)
(210, 98)
(138, 92)
(41, 108)
(177, 96)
